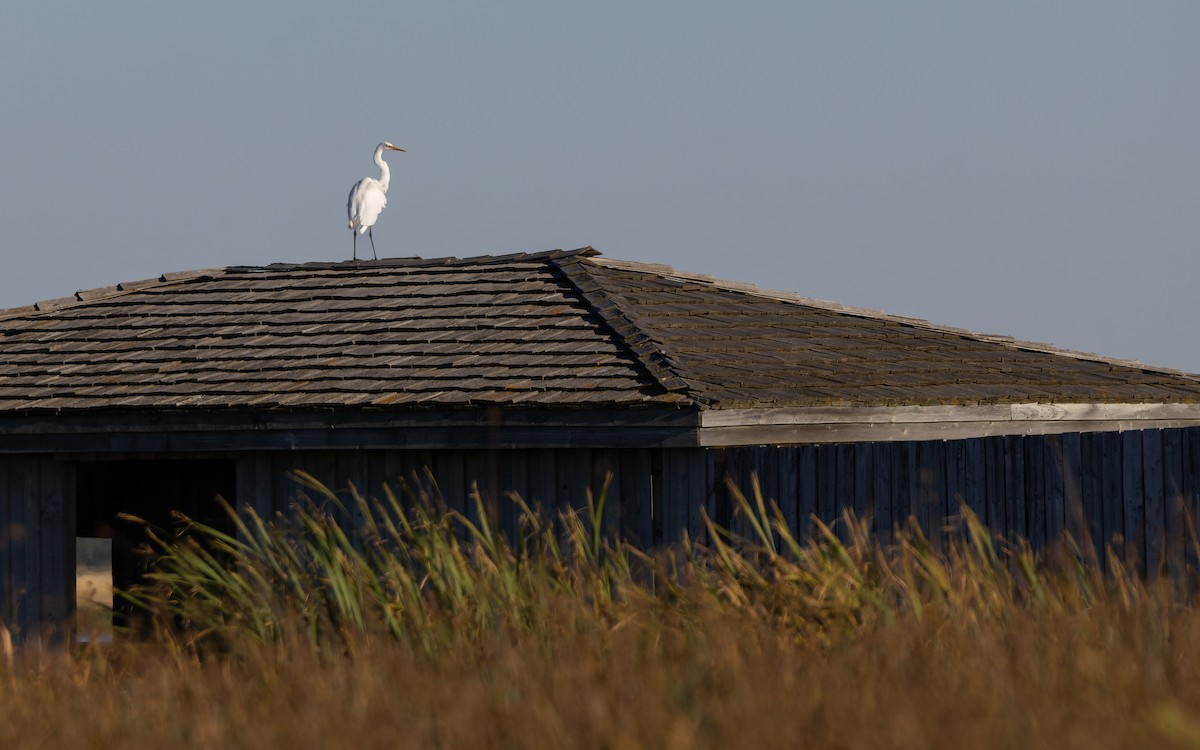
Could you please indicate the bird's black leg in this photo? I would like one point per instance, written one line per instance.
(372, 243)
(354, 246)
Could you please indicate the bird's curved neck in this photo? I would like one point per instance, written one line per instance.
(385, 173)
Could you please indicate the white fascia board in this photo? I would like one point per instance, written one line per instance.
(833, 424)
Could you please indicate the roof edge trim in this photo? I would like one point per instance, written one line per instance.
(894, 415)
(828, 425)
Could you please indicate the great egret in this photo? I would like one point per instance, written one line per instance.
(368, 198)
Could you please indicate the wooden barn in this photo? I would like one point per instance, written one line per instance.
(539, 374)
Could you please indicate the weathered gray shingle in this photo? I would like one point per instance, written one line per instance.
(563, 329)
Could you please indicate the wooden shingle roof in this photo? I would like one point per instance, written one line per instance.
(740, 346)
(556, 329)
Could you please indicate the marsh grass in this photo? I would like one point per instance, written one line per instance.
(416, 626)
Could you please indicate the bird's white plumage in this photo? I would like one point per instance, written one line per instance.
(367, 200)
(368, 197)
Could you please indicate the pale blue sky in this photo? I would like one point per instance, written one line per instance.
(1029, 168)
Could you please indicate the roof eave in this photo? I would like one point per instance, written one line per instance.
(844, 424)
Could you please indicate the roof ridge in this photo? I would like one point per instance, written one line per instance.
(669, 272)
(415, 261)
(613, 310)
(174, 277)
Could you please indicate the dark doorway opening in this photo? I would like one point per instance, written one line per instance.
(154, 491)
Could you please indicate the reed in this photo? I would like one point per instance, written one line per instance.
(399, 623)
(342, 566)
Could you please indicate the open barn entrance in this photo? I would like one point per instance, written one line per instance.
(150, 490)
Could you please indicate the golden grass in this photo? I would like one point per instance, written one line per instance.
(755, 643)
(704, 678)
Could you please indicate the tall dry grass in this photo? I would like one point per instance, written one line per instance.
(429, 630)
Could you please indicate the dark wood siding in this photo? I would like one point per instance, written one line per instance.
(37, 542)
(1136, 490)
(553, 480)
(1139, 491)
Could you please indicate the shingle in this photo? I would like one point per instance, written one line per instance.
(547, 329)
(735, 344)
(343, 334)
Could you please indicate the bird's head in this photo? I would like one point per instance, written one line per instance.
(390, 147)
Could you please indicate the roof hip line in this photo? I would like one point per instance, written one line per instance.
(611, 308)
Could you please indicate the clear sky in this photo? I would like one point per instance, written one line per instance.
(1028, 167)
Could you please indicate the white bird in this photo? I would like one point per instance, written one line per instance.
(368, 198)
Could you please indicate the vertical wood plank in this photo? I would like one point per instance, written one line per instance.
(656, 496)
(325, 466)
(1175, 519)
(1153, 493)
(1074, 513)
(354, 474)
(477, 479)
(734, 475)
(636, 510)
(882, 461)
(1091, 491)
(574, 466)
(70, 526)
(605, 467)
(699, 492)
(513, 481)
(921, 481)
(754, 457)
(309, 462)
(940, 510)
(420, 477)
(1053, 483)
(394, 472)
(574, 473)
(997, 513)
(244, 471)
(53, 545)
(904, 483)
(844, 486)
(931, 489)
(827, 489)
(1034, 450)
(676, 494)
(789, 487)
(1132, 496)
(766, 469)
(7, 532)
(33, 533)
(1014, 486)
(1075, 517)
(376, 475)
(276, 478)
(1112, 488)
(718, 471)
(18, 542)
(741, 466)
(955, 463)
(806, 468)
(1190, 440)
(353, 468)
(449, 474)
(913, 473)
(975, 477)
(864, 483)
(413, 473)
(543, 481)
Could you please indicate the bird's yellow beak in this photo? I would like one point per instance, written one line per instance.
(395, 148)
